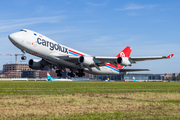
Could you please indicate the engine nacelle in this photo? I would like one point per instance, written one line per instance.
(86, 60)
(35, 64)
(123, 61)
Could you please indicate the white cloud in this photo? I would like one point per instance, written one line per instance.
(57, 31)
(97, 4)
(156, 50)
(132, 14)
(136, 7)
(89, 21)
(40, 9)
(103, 39)
(6, 25)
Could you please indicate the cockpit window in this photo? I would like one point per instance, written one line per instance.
(23, 30)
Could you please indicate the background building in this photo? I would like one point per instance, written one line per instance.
(29, 74)
(138, 77)
(14, 70)
(111, 77)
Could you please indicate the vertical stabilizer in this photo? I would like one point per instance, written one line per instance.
(49, 77)
(108, 79)
(134, 79)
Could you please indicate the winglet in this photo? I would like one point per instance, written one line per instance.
(170, 56)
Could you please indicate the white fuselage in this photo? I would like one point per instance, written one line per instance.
(45, 48)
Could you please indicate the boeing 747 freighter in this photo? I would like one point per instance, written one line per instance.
(59, 57)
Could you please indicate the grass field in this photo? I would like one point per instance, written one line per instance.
(89, 100)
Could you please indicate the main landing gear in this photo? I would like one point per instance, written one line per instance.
(23, 58)
(80, 73)
(59, 73)
(71, 74)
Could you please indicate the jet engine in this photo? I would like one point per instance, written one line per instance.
(37, 64)
(123, 61)
(86, 60)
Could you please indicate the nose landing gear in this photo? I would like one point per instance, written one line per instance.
(23, 57)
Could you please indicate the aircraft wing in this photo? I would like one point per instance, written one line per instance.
(101, 61)
(132, 59)
(150, 58)
(105, 59)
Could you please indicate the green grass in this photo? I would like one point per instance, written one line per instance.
(45, 87)
(89, 100)
(172, 101)
(87, 85)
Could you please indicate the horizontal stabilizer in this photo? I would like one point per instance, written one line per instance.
(131, 70)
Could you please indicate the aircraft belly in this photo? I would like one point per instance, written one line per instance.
(45, 53)
(103, 71)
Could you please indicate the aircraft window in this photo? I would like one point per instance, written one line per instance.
(23, 30)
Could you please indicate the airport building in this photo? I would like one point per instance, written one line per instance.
(105, 77)
(138, 77)
(29, 74)
(127, 77)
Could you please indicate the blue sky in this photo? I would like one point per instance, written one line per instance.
(101, 28)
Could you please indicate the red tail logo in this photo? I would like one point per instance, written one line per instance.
(125, 53)
(122, 54)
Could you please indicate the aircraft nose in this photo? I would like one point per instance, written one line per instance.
(16, 37)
